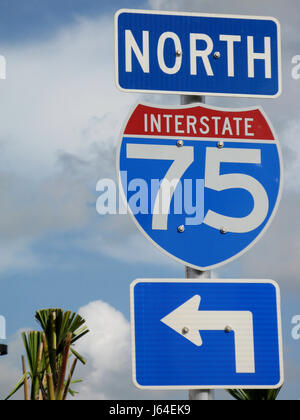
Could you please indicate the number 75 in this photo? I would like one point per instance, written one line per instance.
(183, 157)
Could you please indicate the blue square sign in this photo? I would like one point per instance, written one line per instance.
(206, 334)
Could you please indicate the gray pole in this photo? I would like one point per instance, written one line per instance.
(196, 394)
(199, 394)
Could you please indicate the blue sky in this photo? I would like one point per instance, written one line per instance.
(60, 119)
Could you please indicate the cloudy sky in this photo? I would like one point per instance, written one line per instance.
(60, 119)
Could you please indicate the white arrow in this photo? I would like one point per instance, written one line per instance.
(187, 320)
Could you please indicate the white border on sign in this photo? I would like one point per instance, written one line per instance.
(235, 95)
(123, 194)
(187, 281)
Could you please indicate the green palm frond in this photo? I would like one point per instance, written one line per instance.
(255, 394)
(18, 386)
(65, 322)
(49, 353)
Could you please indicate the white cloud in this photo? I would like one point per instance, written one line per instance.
(54, 93)
(255, 8)
(17, 255)
(291, 154)
(117, 237)
(61, 116)
(61, 120)
(31, 210)
(108, 351)
(276, 256)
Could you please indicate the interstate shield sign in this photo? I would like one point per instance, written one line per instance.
(201, 183)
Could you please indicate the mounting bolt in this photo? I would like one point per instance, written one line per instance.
(228, 329)
(220, 144)
(179, 53)
(181, 229)
(223, 230)
(180, 143)
(185, 331)
(217, 55)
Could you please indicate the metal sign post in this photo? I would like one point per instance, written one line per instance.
(202, 394)
(191, 273)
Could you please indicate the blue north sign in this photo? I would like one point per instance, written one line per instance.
(185, 53)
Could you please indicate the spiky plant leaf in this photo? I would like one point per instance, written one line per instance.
(18, 386)
(49, 352)
(255, 394)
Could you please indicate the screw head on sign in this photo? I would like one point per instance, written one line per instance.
(217, 54)
(185, 330)
(220, 144)
(179, 53)
(181, 229)
(228, 329)
(180, 143)
(223, 230)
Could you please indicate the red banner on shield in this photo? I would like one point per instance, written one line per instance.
(199, 121)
